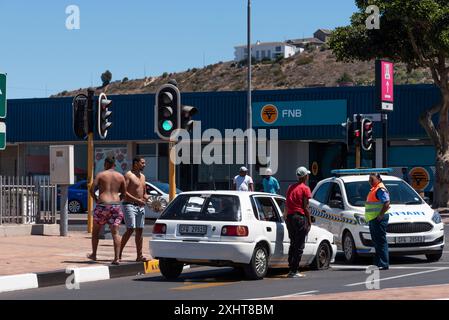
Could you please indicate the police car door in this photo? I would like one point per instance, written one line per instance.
(335, 206)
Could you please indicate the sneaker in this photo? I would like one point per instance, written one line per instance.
(295, 275)
(384, 268)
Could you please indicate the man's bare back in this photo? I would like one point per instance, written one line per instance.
(135, 188)
(110, 185)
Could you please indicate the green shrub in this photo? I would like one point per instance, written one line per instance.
(345, 78)
(165, 75)
(303, 60)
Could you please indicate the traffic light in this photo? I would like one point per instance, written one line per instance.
(367, 134)
(103, 115)
(80, 116)
(187, 112)
(348, 132)
(167, 113)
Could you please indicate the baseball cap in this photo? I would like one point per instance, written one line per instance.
(268, 172)
(243, 169)
(302, 171)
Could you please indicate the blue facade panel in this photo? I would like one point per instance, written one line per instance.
(133, 115)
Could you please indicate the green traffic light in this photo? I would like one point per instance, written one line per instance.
(167, 125)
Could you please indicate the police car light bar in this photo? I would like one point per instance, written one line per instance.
(342, 172)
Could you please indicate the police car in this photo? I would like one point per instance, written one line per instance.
(414, 227)
(245, 230)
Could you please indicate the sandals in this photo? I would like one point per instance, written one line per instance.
(141, 259)
(91, 257)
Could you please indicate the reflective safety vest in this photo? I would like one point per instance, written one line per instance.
(373, 206)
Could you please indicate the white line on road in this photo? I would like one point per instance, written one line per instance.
(398, 267)
(397, 277)
(299, 294)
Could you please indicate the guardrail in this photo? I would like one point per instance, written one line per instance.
(27, 200)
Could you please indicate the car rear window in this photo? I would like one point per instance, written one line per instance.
(204, 207)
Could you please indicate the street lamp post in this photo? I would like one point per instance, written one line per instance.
(249, 109)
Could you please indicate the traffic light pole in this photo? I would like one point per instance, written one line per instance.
(90, 163)
(357, 156)
(171, 173)
(384, 139)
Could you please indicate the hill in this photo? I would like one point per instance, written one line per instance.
(316, 67)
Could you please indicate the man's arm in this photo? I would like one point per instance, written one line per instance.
(145, 195)
(93, 187)
(385, 198)
(251, 184)
(306, 211)
(123, 189)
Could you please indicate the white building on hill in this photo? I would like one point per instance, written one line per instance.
(266, 50)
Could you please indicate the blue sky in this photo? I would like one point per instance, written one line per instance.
(130, 38)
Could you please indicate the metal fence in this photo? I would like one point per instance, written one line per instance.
(26, 200)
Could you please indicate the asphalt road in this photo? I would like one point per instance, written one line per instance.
(227, 284)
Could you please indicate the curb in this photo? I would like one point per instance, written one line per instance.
(74, 275)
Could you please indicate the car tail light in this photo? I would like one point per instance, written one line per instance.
(160, 228)
(235, 231)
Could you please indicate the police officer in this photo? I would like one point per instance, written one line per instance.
(376, 207)
(298, 219)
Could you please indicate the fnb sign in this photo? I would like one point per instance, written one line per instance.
(385, 85)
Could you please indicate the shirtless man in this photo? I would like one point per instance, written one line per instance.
(134, 206)
(112, 188)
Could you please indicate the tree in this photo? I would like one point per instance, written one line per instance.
(414, 32)
(106, 78)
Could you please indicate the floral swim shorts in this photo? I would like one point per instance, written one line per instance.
(108, 214)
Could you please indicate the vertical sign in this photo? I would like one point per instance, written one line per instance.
(2, 96)
(2, 111)
(2, 136)
(384, 85)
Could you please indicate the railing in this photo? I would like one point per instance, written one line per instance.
(26, 200)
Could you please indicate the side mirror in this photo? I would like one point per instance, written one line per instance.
(336, 204)
(427, 200)
(313, 219)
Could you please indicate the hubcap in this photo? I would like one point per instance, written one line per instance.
(348, 248)
(261, 261)
(74, 206)
(323, 256)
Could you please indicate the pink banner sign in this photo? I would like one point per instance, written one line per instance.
(387, 78)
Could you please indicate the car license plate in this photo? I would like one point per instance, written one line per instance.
(418, 239)
(192, 229)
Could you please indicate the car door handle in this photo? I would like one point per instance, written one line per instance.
(269, 229)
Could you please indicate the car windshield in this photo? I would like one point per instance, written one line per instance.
(204, 207)
(400, 193)
(164, 187)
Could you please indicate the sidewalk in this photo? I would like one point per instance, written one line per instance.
(48, 253)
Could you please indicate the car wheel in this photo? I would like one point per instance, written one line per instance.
(170, 268)
(258, 267)
(322, 259)
(349, 249)
(74, 206)
(434, 257)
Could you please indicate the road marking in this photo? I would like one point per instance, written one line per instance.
(397, 277)
(202, 286)
(299, 294)
(396, 268)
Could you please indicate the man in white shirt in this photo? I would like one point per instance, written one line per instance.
(243, 182)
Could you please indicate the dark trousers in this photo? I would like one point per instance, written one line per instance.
(378, 230)
(297, 231)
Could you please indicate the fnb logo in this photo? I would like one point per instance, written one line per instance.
(269, 114)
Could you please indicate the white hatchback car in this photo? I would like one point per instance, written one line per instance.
(228, 228)
(414, 227)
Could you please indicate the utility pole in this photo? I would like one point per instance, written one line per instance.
(384, 139)
(358, 142)
(249, 107)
